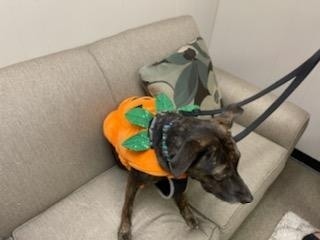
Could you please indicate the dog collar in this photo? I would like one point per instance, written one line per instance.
(167, 187)
(161, 139)
(164, 148)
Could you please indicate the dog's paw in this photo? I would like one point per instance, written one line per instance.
(124, 236)
(192, 222)
(189, 217)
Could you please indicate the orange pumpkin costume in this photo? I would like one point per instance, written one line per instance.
(117, 129)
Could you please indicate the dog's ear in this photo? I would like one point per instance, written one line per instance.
(180, 163)
(227, 117)
(184, 158)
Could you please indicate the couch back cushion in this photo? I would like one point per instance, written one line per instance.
(51, 141)
(121, 56)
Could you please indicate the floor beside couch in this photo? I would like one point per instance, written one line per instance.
(297, 190)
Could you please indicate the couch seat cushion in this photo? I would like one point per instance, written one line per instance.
(261, 162)
(93, 212)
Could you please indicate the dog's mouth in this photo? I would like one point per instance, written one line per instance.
(229, 199)
(242, 196)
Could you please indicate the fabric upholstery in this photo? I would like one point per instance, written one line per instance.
(52, 109)
(121, 56)
(284, 126)
(260, 163)
(93, 213)
(186, 76)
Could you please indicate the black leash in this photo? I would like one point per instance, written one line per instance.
(297, 76)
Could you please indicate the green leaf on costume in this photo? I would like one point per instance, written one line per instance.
(138, 142)
(163, 103)
(139, 117)
(188, 108)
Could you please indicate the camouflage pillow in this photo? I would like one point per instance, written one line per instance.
(186, 76)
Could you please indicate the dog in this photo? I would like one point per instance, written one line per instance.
(202, 149)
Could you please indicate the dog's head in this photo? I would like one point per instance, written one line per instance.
(210, 155)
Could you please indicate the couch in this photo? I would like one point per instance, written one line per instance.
(58, 178)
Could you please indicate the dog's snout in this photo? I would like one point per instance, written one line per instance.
(247, 198)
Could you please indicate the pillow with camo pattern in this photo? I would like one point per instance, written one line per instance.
(186, 76)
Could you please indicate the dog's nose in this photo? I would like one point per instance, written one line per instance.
(246, 198)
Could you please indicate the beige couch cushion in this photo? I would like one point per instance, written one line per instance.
(121, 56)
(283, 127)
(261, 162)
(52, 110)
(93, 213)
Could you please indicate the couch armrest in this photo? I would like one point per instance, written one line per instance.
(284, 126)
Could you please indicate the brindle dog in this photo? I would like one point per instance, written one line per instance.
(204, 150)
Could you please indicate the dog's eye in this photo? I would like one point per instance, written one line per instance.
(204, 155)
(219, 177)
(222, 175)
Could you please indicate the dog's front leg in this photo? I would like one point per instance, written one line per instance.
(133, 185)
(185, 211)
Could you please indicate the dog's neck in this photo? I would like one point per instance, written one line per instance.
(167, 131)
